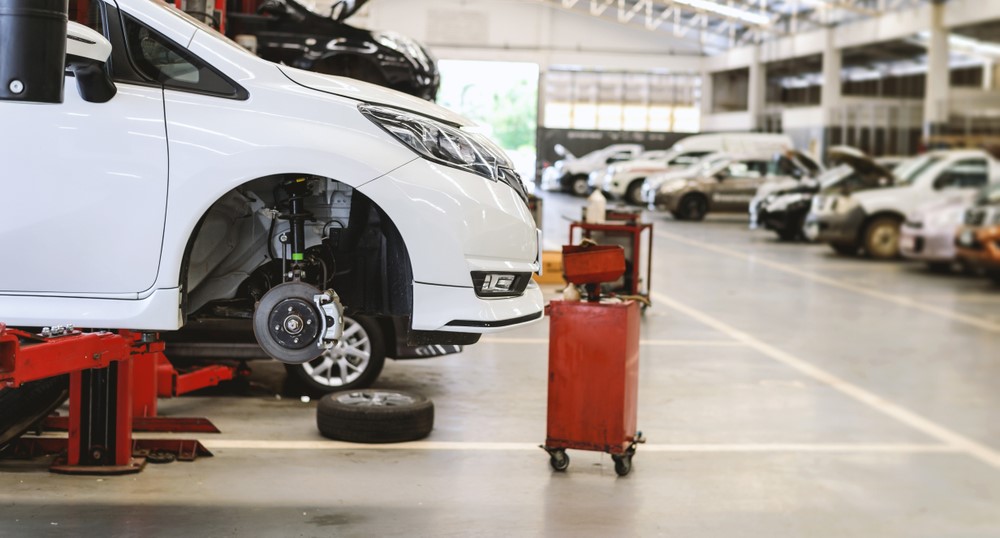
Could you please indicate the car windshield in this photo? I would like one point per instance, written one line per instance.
(910, 170)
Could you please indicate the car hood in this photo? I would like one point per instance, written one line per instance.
(370, 93)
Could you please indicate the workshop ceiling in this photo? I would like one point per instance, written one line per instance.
(719, 25)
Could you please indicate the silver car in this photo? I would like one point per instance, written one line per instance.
(724, 184)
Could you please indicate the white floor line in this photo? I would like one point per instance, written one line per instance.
(896, 299)
(902, 448)
(665, 343)
(910, 418)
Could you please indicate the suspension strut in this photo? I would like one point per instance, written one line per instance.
(296, 189)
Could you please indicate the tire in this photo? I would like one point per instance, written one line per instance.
(623, 464)
(633, 194)
(882, 238)
(844, 249)
(693, 207)
(23, 407)
(559, 460)
(354, 363)
(578, 186)
(375, 416)
(788, 235)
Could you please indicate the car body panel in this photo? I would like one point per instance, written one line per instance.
(557, 176)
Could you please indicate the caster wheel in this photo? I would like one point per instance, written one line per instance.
(559, 460)
(623, 464)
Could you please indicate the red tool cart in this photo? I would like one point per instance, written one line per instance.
(623, 228)
(593, 365)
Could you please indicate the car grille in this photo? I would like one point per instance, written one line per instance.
(975, 217)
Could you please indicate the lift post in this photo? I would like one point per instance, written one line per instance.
(100, 422)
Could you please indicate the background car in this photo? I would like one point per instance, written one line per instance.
(978, 239)
(851, 220)
(304, 35)
(571, 173)
(928, 233)
(723, 183)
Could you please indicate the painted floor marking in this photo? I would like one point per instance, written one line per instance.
(863, 448)
(889, 297)
(910, 418)
(675, 343)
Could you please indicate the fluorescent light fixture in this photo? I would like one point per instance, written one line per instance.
(727, 11)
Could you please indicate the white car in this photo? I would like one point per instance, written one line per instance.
(870, 220)
(571, 173)
(205, 179)
(928, 234)
(624, 180)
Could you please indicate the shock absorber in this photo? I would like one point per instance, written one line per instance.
(297, 189)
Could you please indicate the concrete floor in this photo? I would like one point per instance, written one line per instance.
(784, 391)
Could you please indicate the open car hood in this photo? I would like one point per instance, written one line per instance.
(336, 10)
(857, 160)
(370, 93)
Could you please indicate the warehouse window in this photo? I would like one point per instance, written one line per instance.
(615, 101)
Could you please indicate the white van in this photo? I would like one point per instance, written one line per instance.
(624, 180)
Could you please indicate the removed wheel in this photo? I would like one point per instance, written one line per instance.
(23, 407)
(375, 416)
(693, 207)
(882, 238)
(355, 362)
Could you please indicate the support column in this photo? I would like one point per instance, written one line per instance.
(757, 91)
(706, 94)
(830, 92)
(938, 74)
(989, 68)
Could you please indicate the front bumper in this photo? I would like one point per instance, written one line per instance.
(453, 223)
(831, 227)
(979, 247)
(927, 245)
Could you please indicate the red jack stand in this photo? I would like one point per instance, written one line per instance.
(101, 382)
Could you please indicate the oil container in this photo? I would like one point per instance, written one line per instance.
(32, 50)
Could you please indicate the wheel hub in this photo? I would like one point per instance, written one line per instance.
(294, 323)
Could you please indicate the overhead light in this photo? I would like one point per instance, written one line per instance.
(727, 11)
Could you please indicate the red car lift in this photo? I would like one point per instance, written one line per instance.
(102, 384)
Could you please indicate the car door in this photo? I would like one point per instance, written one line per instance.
(85, 186)
(737, 185)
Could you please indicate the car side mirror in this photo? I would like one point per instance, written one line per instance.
(87, 55)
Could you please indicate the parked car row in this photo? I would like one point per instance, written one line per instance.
(940, 208)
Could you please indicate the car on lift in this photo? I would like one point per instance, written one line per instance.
(978, 239)
(928, 233)
(720, 182)
(220, 184)
(302, 34)
(571, 173)
(869, 220)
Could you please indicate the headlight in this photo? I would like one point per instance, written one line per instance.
(447, 145)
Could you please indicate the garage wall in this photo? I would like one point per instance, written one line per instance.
(518, 30)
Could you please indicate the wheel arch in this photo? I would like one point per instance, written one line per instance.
(396, 277)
